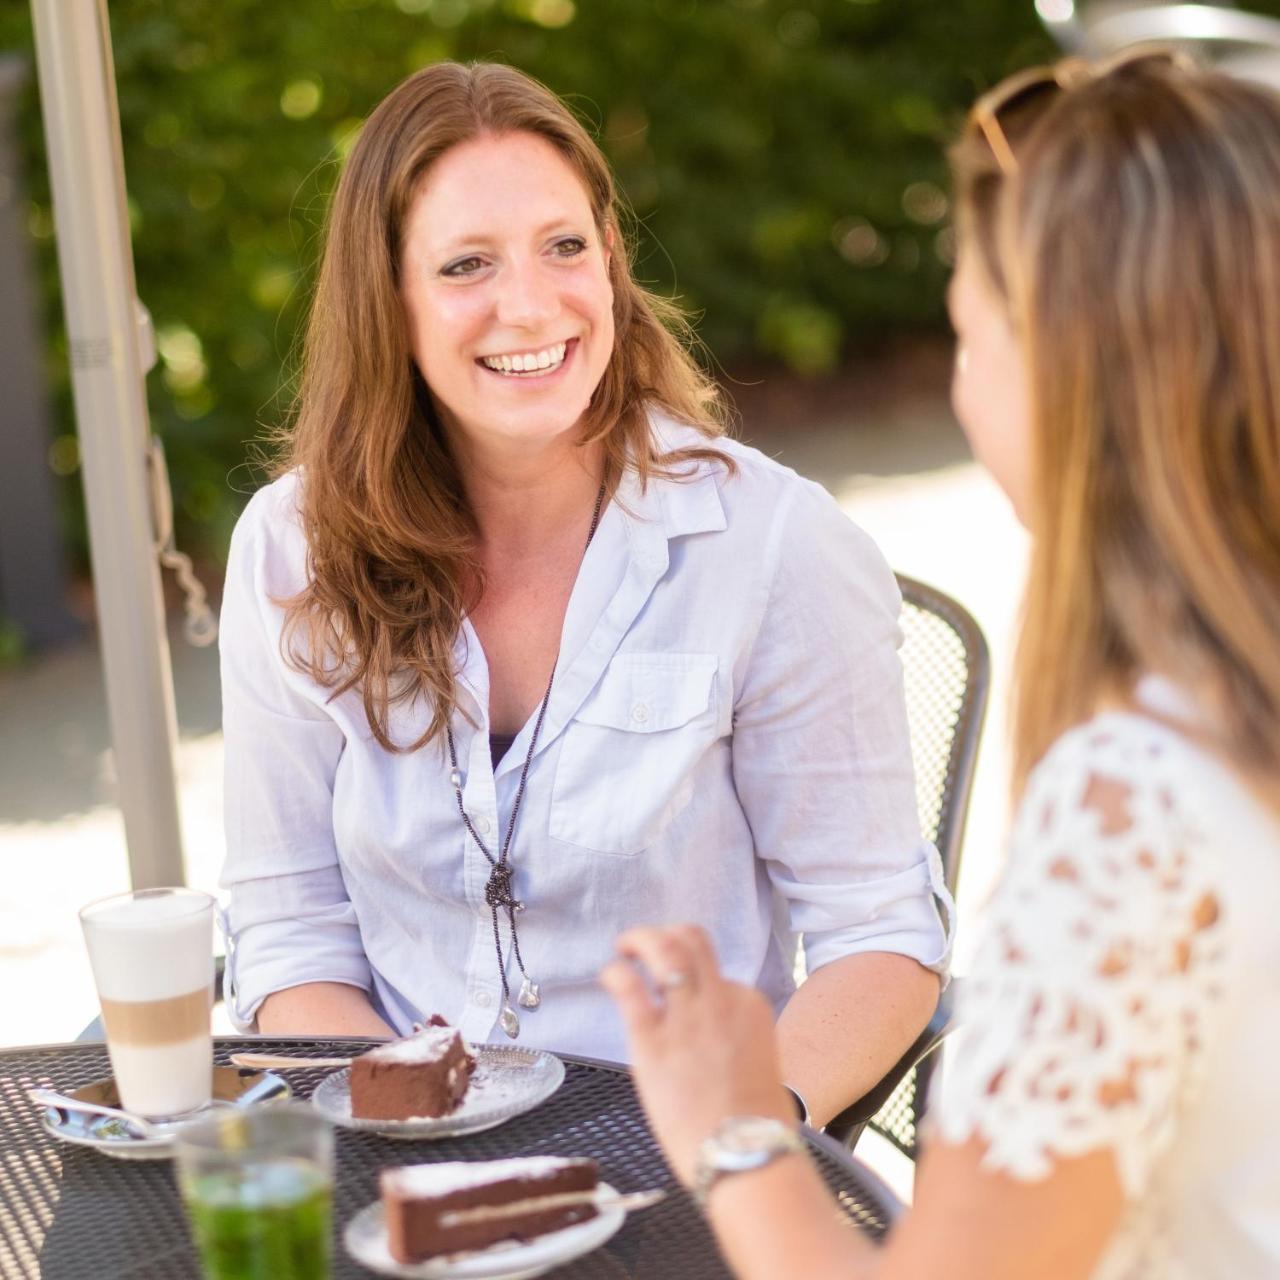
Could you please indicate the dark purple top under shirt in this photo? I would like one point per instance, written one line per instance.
(499, 745)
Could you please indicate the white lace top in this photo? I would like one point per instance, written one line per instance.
(1126, 995)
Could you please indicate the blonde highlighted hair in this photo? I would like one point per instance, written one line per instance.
(392, 569)
(1136, 240)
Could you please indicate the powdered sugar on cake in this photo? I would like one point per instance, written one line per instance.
(428, 1045)
(454, 1175)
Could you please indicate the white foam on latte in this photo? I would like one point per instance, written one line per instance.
(150, 947)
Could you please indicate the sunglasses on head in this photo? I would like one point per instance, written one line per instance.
(1019, 89)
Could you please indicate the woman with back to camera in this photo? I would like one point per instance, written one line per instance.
(1109, 1110)
(519, 651)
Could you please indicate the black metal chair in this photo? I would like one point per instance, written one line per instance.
(947, 669)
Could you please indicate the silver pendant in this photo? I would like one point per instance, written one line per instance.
(509, 1022)
(530, 996)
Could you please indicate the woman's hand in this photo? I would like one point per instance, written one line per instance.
(702, 1047)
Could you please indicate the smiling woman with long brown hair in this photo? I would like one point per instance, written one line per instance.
(519, 650)
(1108, 1111)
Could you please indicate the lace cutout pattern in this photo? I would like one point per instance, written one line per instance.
(1099, 967)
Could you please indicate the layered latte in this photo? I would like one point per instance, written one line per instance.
(152, 958)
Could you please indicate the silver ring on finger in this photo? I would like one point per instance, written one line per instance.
(674, 980)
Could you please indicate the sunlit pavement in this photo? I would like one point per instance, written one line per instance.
(904, 477)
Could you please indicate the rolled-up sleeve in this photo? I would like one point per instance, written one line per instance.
(289, 920)
(821, 754)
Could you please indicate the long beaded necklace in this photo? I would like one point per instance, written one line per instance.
(498, 888)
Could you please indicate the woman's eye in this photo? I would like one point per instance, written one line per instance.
(463, 267)
(569, 247)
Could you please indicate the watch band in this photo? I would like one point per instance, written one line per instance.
(741, 1144)
(802, 1107)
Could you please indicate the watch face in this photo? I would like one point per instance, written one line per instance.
(740, 1144)
(750, 1133)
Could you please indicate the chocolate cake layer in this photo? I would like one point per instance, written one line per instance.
(434, 1209)
(425, 1074)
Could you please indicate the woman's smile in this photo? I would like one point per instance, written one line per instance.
(535, 365)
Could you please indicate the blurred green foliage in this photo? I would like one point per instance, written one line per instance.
(13, 645)
(784, 160)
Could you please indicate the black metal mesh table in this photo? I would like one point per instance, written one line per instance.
(69, 1212)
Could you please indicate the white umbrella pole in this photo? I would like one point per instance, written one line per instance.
(82, 132)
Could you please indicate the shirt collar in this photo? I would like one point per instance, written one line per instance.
(676, 505)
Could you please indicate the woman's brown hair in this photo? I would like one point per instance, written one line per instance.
(1132, 224)
(392, 569)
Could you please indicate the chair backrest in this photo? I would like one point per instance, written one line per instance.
(947, 671)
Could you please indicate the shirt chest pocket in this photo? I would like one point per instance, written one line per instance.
(628, 758)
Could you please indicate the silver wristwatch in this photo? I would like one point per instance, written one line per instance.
(739, 1145)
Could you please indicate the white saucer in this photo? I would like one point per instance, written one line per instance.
(232, 1087)
(366, 1241)
(508, 1081)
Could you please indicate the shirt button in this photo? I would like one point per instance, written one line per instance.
(483, 999)
(640, 712)
(482, 826)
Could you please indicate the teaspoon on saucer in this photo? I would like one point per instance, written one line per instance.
(62, 1102)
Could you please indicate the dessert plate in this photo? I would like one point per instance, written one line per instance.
(366, 1241)
(232, 1087)
(507, 1082)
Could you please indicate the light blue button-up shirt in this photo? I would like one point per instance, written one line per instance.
(726, 743)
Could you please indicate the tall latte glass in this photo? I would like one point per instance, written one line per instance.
(152, 958)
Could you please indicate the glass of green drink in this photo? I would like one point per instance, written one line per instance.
(258, 1187)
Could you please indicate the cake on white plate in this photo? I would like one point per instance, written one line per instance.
(425, 1075)
(456, 1206)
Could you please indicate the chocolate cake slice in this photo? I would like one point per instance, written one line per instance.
(425, 1074)
(455, 1206)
